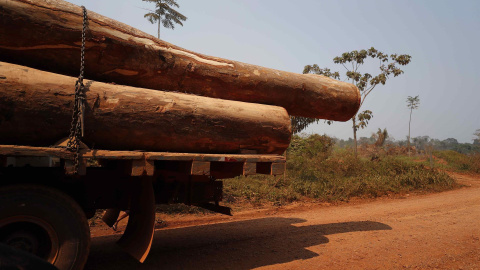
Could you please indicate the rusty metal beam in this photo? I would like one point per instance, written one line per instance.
(138, 236)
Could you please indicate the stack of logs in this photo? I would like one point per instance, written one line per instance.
(176, 100)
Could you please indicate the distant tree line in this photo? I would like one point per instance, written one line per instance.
(476, 140)
(420, 143)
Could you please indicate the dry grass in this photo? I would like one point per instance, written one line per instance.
(459, 162)
(315, 170)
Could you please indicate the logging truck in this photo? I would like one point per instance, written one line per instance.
(159, 124)
(47, 193)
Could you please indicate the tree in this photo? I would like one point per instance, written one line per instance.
(476, 141)
(380, 137)
(164, 14)
(421, 142)
(412, 104)
(352, 62)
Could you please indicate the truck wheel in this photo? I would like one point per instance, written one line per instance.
(45, 222)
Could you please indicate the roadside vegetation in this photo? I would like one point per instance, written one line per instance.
(322, 169)
(454, 161)
(318, 170)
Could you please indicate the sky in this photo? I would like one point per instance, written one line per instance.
(442, 36)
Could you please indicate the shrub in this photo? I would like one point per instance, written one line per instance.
(316, 170)
(460, 162)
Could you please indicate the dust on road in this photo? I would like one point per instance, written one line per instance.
(435, 231)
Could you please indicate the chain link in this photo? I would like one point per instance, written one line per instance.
(77, 125)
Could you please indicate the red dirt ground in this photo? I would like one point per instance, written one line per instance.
(433, 231)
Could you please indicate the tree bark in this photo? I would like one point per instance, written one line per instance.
(409, 121)
(354, 134)
(46, 35)
(36, 109)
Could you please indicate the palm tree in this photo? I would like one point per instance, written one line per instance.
(164, 14)
(412, 104)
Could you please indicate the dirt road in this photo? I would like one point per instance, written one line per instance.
(435, 231)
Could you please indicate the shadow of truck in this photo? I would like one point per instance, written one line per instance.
(233, 245)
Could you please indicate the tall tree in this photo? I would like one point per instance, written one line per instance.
(412, 104)
(366, 82)
(164, 14)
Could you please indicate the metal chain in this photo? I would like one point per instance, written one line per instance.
(77, 125)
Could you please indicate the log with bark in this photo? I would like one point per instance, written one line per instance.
(46, 35)
(36, 109)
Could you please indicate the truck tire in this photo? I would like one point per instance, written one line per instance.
(46, 222)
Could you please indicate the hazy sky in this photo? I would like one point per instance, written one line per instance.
(443, 38)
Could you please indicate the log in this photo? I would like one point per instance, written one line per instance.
(46, 35)
(36, 110)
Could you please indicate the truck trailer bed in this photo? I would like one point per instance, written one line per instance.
(141, 163)
(115, 180)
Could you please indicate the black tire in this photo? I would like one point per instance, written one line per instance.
(46, 222)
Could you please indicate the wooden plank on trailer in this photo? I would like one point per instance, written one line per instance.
(197, 164)
(106, 154)
(138, 167)
(214, 157)
(249, 168)
(278, 168)
(149, 167)
(17, 150)
(200, 168)
(142, 166)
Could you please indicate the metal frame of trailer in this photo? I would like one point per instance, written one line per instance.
(112, 180)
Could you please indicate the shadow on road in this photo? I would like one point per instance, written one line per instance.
(235, 245)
